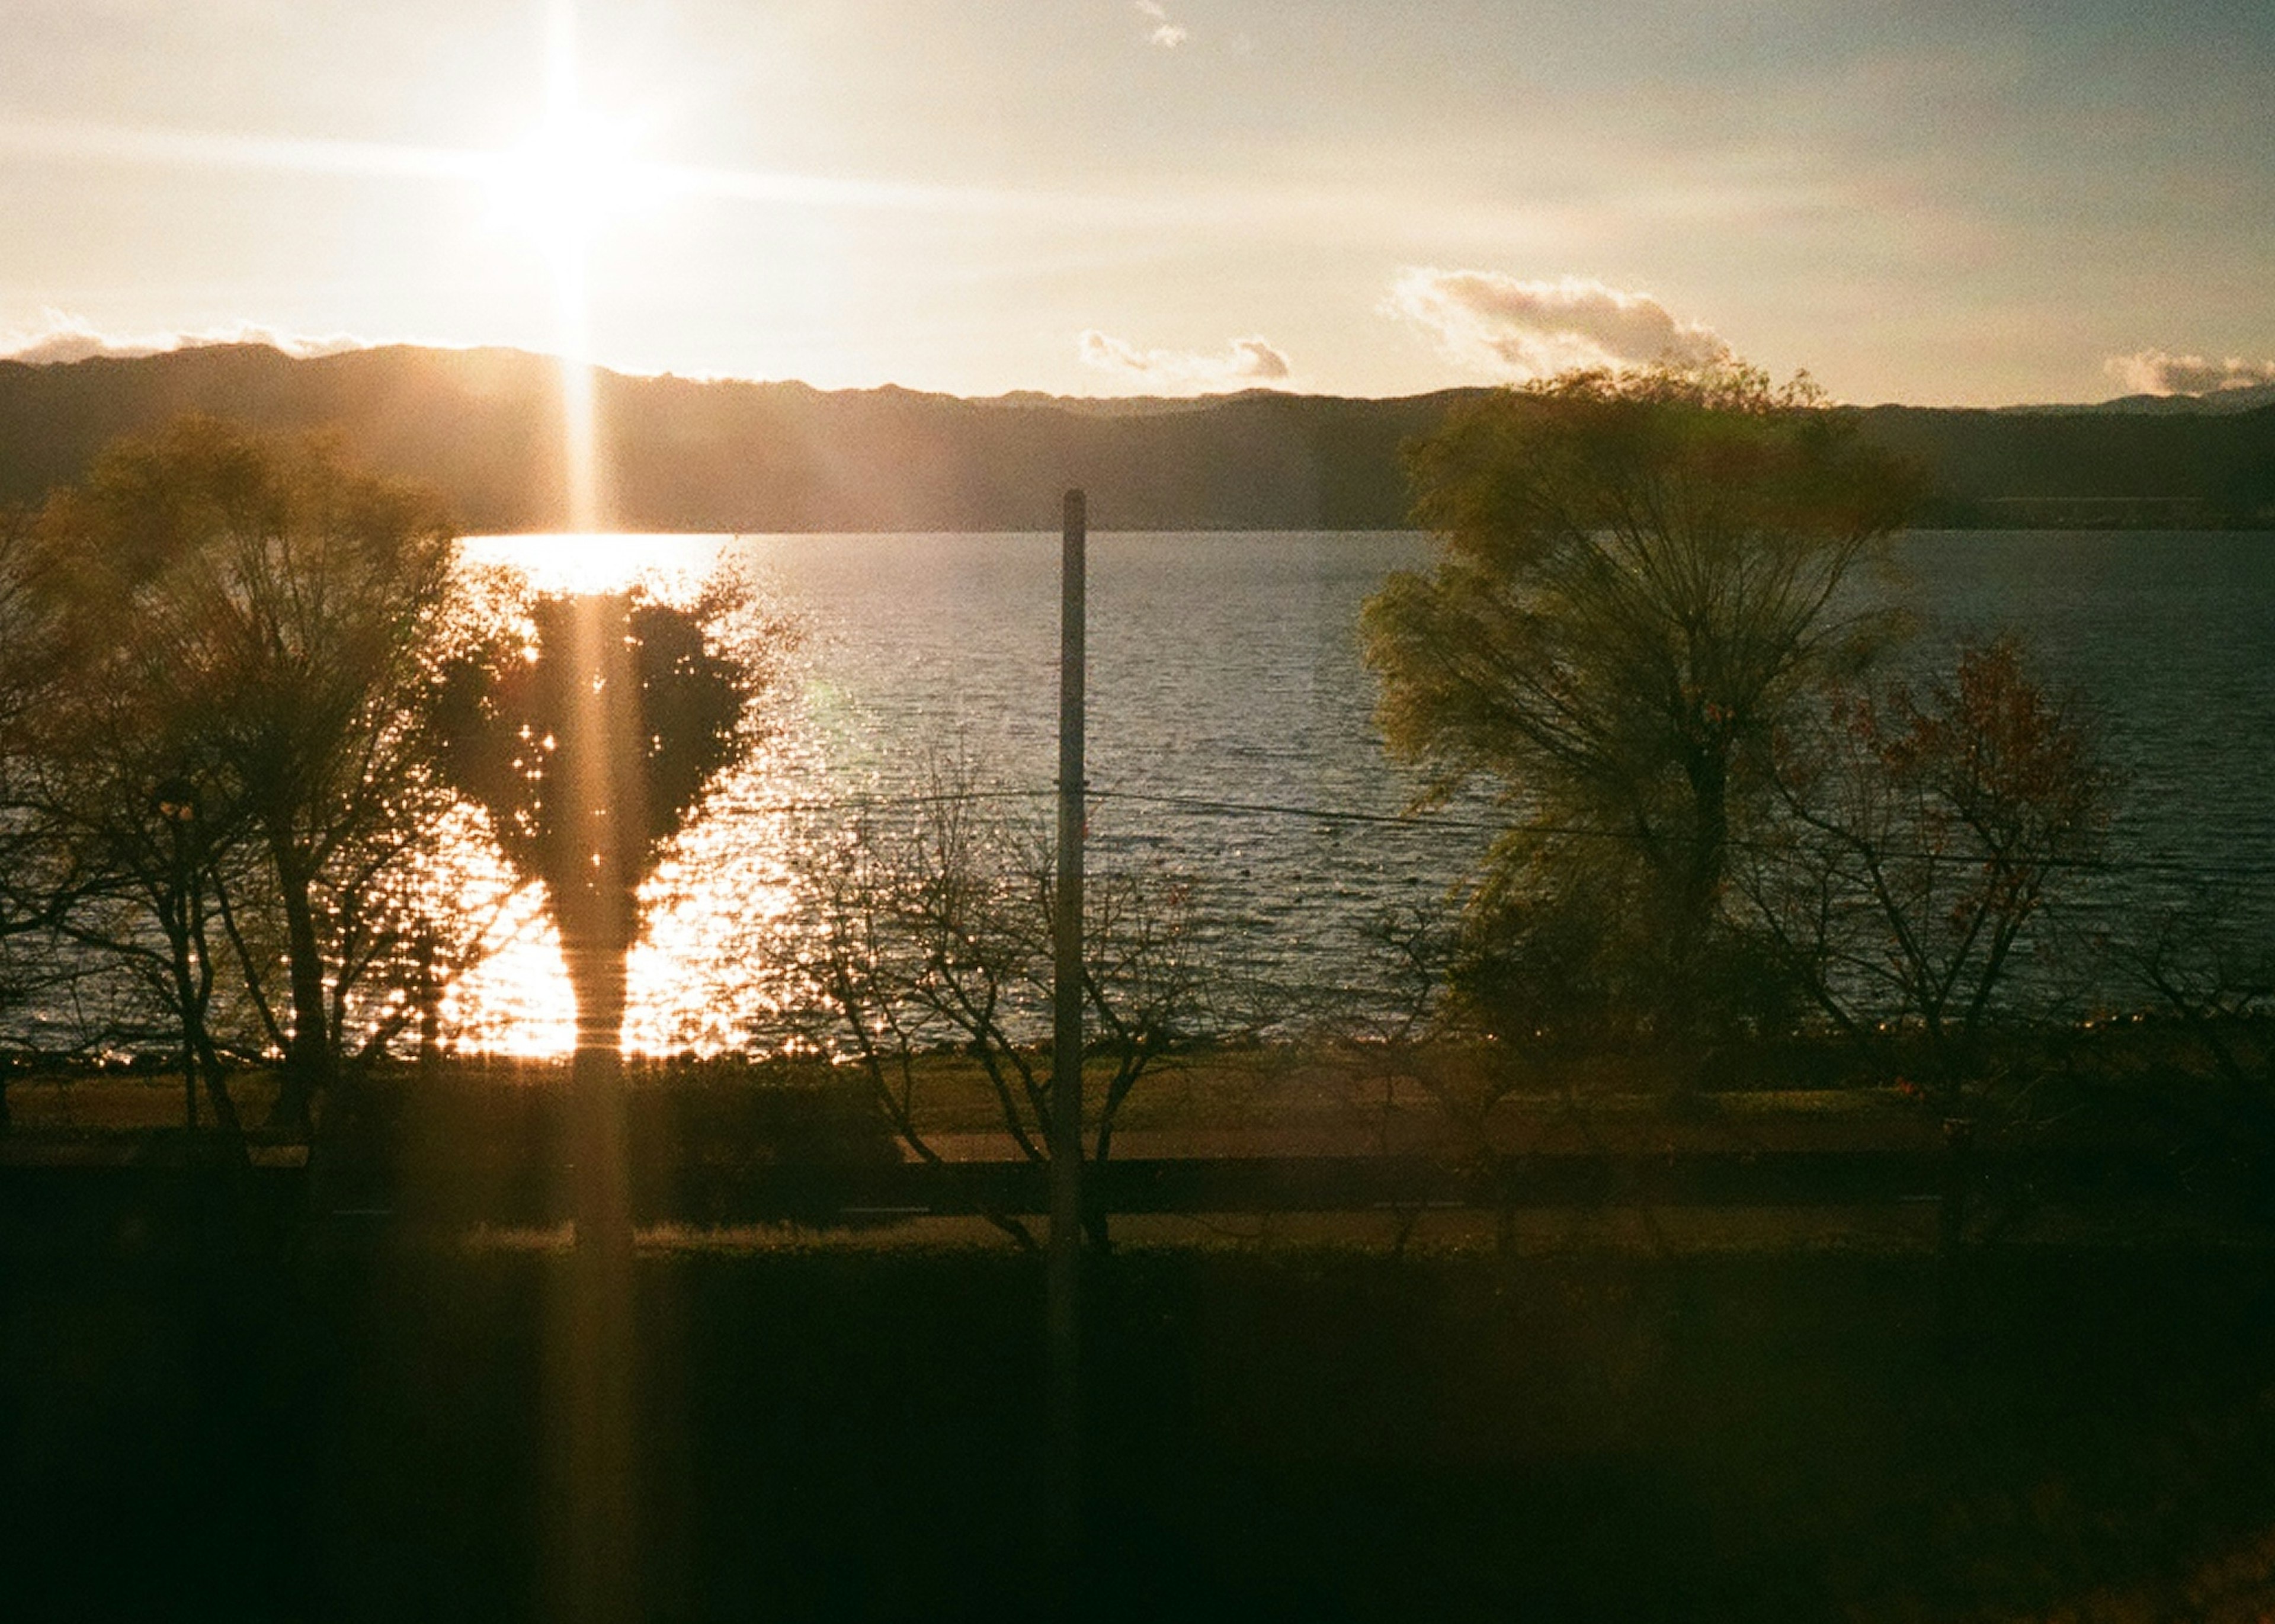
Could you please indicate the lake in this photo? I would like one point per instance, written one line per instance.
(1224, 668)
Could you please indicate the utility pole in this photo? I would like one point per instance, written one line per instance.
(1064, 1287)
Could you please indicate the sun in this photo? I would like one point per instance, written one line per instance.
(573, 174)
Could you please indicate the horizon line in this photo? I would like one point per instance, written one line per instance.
(310, 349)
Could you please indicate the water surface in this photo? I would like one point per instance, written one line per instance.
(1225, 668)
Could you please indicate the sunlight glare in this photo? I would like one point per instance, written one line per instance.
(516, 1002)
(703, 975)
(570, 176)
(670, 567)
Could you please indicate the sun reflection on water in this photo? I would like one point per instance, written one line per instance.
(702, 977)
(671, 567)
(516, 999)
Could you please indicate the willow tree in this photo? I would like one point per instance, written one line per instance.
(1639, 578)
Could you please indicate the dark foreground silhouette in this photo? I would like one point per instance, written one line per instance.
(208, 1417)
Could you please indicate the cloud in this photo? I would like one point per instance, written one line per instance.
(2153, 371)
(60, 336)
(1534, 329)
(1246, 361)
(1167, 34)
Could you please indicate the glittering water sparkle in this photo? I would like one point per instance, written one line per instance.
(1226, 668)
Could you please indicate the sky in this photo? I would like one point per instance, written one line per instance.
(1973, 202)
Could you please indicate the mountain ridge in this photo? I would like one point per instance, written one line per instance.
(734, 455)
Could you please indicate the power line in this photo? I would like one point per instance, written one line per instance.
(867, 802)
(1196, 804)
(1421, 822)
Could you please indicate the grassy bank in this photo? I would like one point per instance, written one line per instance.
(1404, 1096)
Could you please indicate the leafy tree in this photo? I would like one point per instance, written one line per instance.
(25, 672)
(253, 621)
(107, 856)
(1639, 578)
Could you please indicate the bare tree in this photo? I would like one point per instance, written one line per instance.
(1929, 837)
(165, 856)
(934, 936)
(2212, 985)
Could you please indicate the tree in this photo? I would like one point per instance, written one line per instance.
(590, 731)
(936, 935)
(256, 624)
(2210, 978)
(1928, 833)
(39, 878)
(1927, 836)
(1639, 577)
(164, 859)
(24, 674)
(106, 847)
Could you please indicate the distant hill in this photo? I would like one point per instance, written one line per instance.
(729, 455)
(2237, 397)
(2102, 469)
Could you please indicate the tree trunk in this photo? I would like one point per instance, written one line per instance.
(192, 992)
(307, 1063)
(216, 1082)
(1704, 863)
(430, 1008)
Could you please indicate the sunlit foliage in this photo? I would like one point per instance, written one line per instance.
(1640, 575)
